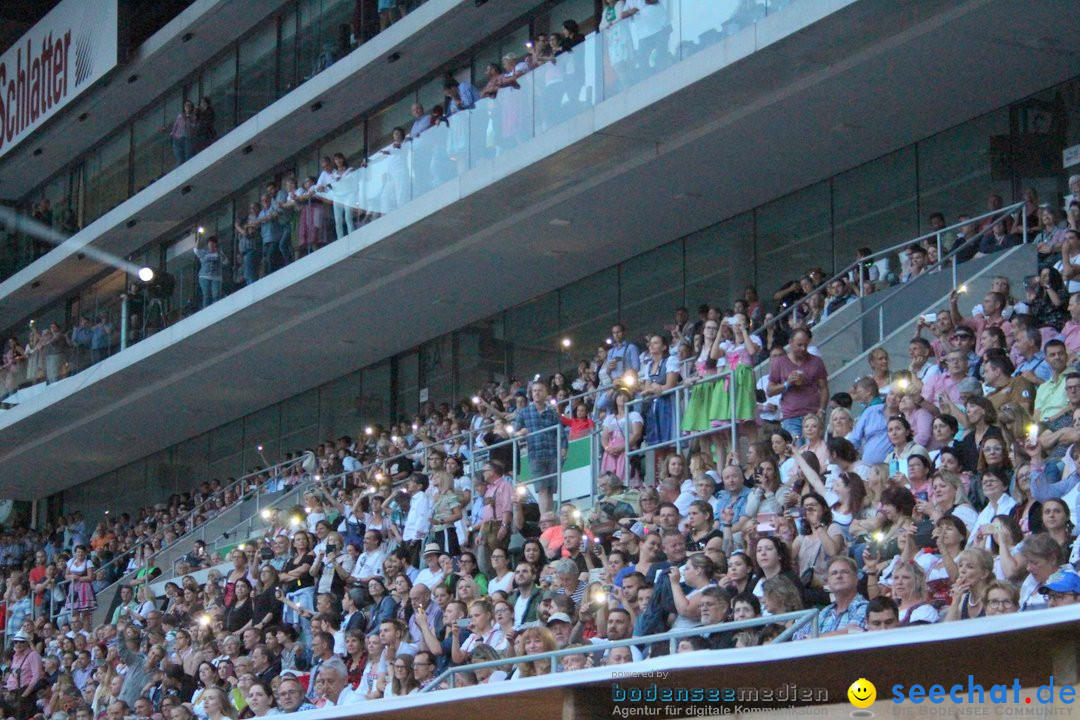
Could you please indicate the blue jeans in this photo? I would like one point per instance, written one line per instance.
(272, 256)
(793, 426)
(211, 291)
(252, 259)
(285, 244)
(179, 150)
(343, 220)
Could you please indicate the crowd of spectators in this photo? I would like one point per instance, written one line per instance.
(937, 490)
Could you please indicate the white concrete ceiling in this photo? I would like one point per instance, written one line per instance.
(727, 142)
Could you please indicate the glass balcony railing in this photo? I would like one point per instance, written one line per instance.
(531, 96)
(523, 99)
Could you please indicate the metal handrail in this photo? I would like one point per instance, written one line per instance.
(858, 264)
(800, 618)
(189, 517)
(952, 258)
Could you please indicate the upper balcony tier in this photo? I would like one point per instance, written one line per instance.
(732, 122)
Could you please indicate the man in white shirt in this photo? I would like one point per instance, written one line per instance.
(332, 685)
(418, 521)
(369, 563)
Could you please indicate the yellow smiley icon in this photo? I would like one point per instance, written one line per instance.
(862, 693)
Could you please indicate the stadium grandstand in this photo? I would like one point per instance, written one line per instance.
(573, 358)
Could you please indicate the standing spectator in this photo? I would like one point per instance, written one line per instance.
(288, 216)
(24, 673)
(82, 336)
(389, 13)
(801, 381)
(497, 513)
(345, 198)
(650, 30)
(101, 339)
(56, 352)
(183, 133)
(211, 261)
(418, 521)
(247, 243)
(270, 230)
(993, 304)
(622, 355)
(204, 132)
(545, 448)
(312, 230)
(19, 607)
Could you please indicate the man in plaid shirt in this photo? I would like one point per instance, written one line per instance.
(545, 449)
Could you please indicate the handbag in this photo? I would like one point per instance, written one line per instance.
(807, 576)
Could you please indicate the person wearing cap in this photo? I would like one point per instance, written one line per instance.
(1062, 588)
(560, 625)
(432, 575)
(24, 672)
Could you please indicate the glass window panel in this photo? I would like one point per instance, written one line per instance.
(375, 401)
(711, 278)
(219, 84)
(151, 152)
(191, 457)
(107, 175)
(320, 40)
(493, 52)
(380, 126)
(408, 384)
(793, 233)
(336, 26)
(130, 490)
(431, 93)
(532, 334)
(227, 439)
(587, 309)
(437, 369)
(299, 422)
(258, 70)
(874, 205)
(181, 263)
(955, 165)
(581, 11)
(262, 428)
(481, 356)
(651, 288)
(101, 298)
(287, 56)
(1042, 124)
(227, 467)
(300, 411)
(339, 407)
(350, 143)
(58, 192)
